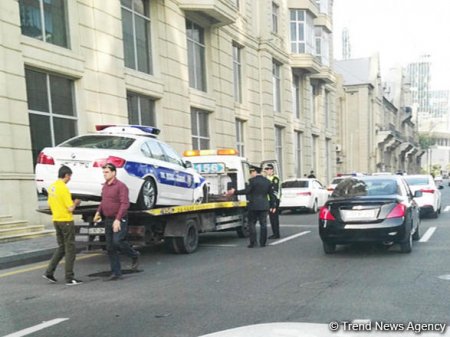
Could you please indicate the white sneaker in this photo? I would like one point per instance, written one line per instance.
(73, 282)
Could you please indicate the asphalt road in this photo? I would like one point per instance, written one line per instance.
(226, 285)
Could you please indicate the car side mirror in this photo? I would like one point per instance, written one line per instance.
(418, 194)
(441, 187)
(187, 164)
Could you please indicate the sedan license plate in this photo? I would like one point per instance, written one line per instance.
(99, 230)
(77, 163)
(359, 214)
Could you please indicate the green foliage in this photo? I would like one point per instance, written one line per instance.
(426, 141)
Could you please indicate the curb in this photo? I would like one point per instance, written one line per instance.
(26, 258)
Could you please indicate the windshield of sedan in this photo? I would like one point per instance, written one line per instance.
(295, 184)
(99, 142)
(417, 180)
(355, 187)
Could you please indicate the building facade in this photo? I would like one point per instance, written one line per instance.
(255, 75)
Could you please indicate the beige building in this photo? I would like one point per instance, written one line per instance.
(375, 131)
(213, 73)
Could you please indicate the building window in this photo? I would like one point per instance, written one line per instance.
(141, 109)
(200, 129)
(279, 147)
(326, 104)
(240, 143)
(324, 6)
(136, 35)
(302, 32)
(196, 55)
(315, 153)
(298, 142)
(322, 46)
(328, 159)
(275, 13)
(313, 92)
(44, 20)
(237, 73)
(51, 107)
(296, 95)
(276, 81)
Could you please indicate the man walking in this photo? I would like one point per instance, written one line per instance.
(274, 216)
(62, 206)
(311, 175)
(261, 199)
(113, 208)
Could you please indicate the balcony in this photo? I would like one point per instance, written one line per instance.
(326, 75)
(383, 136)
(405, 147)
(324, 21)
(306, 62)
(220, 12)
(309, 5)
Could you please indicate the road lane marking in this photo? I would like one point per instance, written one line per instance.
(35, 328)
(42, 265)
(447, 208)
(427, 234)
(289, 238)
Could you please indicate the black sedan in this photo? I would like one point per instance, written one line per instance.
(370, 209)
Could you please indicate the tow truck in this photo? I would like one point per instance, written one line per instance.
(178, 227)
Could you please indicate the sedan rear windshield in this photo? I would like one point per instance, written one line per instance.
(295, 184)
(366, 187)
(417, 180)
(100, 142)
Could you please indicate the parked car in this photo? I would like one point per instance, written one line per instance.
(302, 194)
(370, 209)
(439, 182)
(430, 201)
(154, 173)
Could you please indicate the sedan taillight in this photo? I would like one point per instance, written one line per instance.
(44, 159)
(397, 212)
(325, 214)
(428, 190)
(116, 161)
(303, 193)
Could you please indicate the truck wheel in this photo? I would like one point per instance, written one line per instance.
(147, 195)
(243, 231)
(189, 242)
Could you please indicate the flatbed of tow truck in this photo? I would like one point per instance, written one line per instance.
(177, 226)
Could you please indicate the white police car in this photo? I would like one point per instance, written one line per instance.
(154, 173)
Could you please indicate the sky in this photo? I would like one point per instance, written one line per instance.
(399, 30)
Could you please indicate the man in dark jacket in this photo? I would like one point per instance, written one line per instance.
(261, 199)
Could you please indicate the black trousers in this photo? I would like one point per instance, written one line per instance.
(275, 220)
(253, 217)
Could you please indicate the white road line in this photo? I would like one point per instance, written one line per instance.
(289, 238)
(447, 208)
(298, 225)
(218, 245)
(38, 327)
(427, 234)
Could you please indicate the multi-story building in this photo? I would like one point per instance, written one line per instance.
(375, 131)
(419, 75)
(209, 74)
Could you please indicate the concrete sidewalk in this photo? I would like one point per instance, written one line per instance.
(17, 253)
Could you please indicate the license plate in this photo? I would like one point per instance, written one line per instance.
(360, 214)
(77, 163)
(96, 231)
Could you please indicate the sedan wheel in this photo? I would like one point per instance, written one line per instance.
(406, 247)
(329, 248)
(147, 196)
(416, 235)
(314, 207)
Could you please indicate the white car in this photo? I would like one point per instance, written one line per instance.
(334, 182)
(153, 172)
(430, 201)
(303, 193)
(439, 182)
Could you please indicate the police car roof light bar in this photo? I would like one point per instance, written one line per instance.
(143, 129)
(217, 152)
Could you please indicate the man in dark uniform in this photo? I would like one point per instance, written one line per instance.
(274, 218)
(261, 199)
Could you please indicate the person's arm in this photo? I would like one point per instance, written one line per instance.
(272, 199)
(67, 199)
(276, 187)
(124, 202)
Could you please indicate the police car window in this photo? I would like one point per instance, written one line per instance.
(146, 150)
(295, 184)
(155, 149)
(99, 142)
(171, 155)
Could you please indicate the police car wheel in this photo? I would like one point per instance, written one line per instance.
(147, 195)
